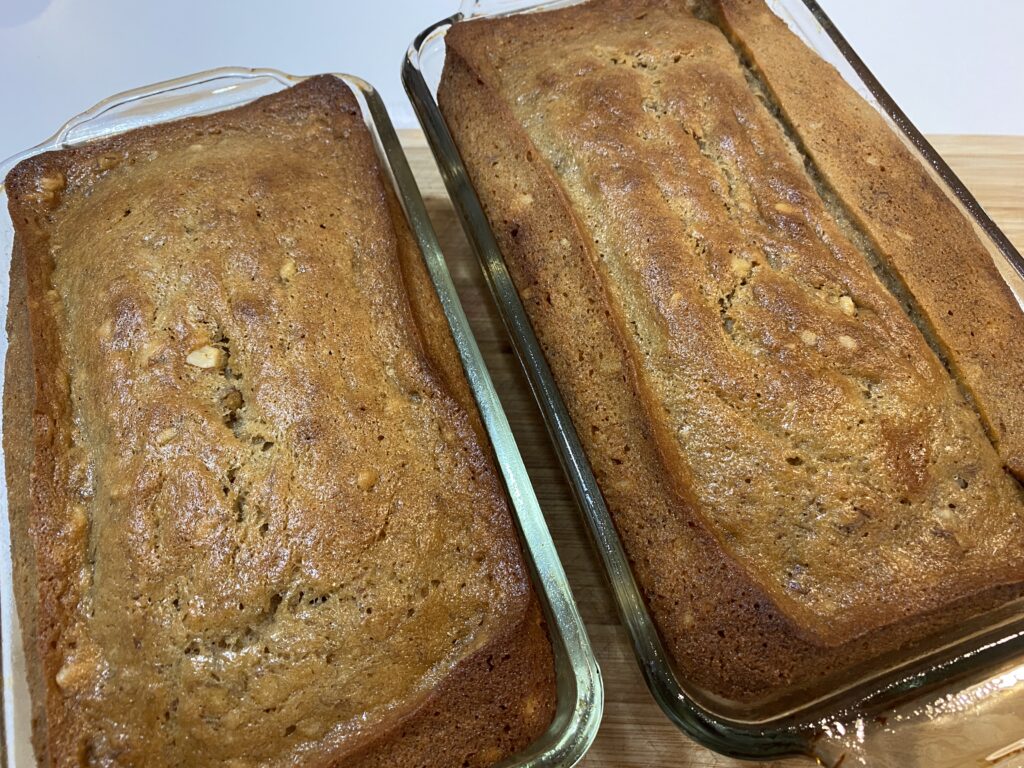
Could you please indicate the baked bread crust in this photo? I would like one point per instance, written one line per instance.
(956, 293)
(799, 484)
(261, 517)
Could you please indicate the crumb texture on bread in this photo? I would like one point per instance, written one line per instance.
(799, 481)
(266, 526)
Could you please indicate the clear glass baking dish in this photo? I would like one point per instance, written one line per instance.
(579, 685)
(956, 702)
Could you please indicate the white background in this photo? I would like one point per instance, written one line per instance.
(954, 66)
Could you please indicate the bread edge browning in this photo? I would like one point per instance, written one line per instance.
(19, 405)
(41, 523)
(513, 672)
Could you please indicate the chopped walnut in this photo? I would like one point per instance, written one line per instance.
(74, 674)
(740, 267)
(530, 706)
(847, 306)
(808, 337)
(207, 356)
(53, 183)
(288, 270)
(106, 162)
(847, 342)
(367, 478)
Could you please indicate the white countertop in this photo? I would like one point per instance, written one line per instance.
(955, 67)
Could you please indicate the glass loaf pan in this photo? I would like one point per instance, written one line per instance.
(923, 710)
(579, 685)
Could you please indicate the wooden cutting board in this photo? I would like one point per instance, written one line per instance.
(634, 732)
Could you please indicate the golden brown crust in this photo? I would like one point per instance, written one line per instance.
(55, 544)
(266, 527)
(957, 291)
(19, 399)
(675, 301)
(465, 723)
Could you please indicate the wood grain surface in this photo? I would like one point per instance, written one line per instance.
(634, 732)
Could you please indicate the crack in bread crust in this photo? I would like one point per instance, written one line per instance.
(846, 220)
(956, 295)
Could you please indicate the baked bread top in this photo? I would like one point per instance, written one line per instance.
(936, 264)
(797, 411)
(266, 527)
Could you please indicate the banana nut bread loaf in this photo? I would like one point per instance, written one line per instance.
(255, 518)
(738, 274)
